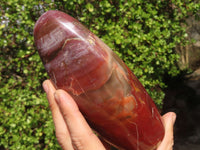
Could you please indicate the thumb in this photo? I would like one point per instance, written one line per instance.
(168, 121)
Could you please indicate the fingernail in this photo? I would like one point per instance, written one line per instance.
(56, 97)
(174, 117)
(45, 87)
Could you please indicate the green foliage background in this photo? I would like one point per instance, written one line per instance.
(143, 33)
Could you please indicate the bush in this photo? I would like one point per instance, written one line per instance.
(142, 33)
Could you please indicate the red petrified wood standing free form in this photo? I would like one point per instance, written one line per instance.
(108, 94)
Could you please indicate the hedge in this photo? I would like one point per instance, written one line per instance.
(143, 33)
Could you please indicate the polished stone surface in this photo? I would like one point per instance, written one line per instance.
(108, 94)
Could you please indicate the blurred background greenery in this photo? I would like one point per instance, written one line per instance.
(144, 33)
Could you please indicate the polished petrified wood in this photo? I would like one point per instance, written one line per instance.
(111, 98)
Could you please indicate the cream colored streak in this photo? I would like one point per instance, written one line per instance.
(70, 40)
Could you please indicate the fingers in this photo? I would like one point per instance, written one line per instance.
(168, 121)
(62, 133)
(81, 134)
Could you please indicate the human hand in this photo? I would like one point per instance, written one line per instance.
(72, 130)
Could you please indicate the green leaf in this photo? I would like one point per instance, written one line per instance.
(90, 7)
